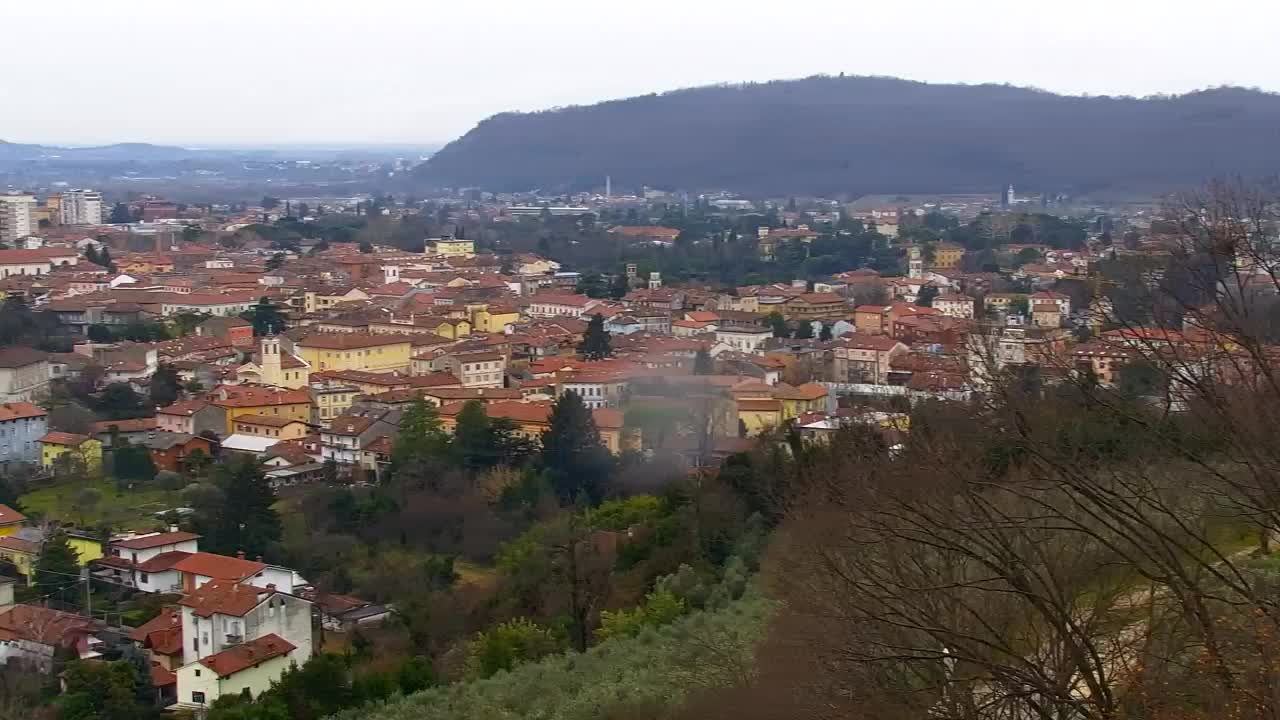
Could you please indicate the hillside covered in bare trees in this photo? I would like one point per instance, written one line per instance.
(853, 135)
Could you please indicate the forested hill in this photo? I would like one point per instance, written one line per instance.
(851, 135)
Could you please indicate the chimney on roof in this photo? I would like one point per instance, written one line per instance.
(271, 587)
(173, 528)
(259, 558)
(240, 554)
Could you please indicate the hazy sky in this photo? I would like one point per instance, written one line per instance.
(420, 71)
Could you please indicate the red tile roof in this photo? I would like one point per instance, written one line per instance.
(9, 542)
(148, 542)
(19, 410)
(163, 561)
(186, 408)
(247, 655)
(225, 597)
(219, 567)
(62, 438)
(124, 426)
(9, 516)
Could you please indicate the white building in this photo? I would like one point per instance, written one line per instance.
(81, 207)
(16, 216)
(550, 305)
(238, 638)
(24, 374)
(748, 340)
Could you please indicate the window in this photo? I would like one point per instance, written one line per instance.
(204, 638)
(197, 697)
(197, 672)
(195, 644)
(143, 579)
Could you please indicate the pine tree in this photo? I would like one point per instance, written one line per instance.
(247, 521)
(595, 343)
(703, 364)
(104, 259)
(165, 386)
(805, 330)
(421, 434)
(472, 440)
(266, 318)
(572, 453)
(58, 566)
(779, 324)
(825, 334)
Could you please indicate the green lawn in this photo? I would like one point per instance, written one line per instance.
(128, 510)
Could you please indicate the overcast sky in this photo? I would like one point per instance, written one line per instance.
(425, 71)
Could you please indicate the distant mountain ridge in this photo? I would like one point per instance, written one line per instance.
(854, 135)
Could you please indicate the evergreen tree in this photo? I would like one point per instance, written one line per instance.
(421, 435)
(165, 386)
(104, 259)
(266, 318)
(619, 287)
(99, 333)
(575, 459)
(926, 296)
(825, 334)
(804, 331)
(779, 324)
(106, 691)
(703, 364)
(247, 521)
(119, 401)
(595, 343)
(120, 214)
(275, 262)
(58, 566)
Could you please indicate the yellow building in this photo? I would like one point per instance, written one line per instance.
(272, 426)
(453, 247)
(356, 351)
(22, 553)
(70, 451)
(452, 328)
(493, 319)
(313, 301)
(11, 521)
(240, 400)
(757, 415)
(796, 401)
(947, 256)
(87, 548)
(275, 366)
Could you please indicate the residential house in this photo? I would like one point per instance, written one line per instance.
(871, 319)
(860, 358)
(31, 635)
(169, 450)
(24, 373)
(347, 435)
(947, 256)
(356, 351)
(553, 305)
(272, 426)
(193, 417)
(235, 330)
(476, 369)
(743, 339)
(242, 670)
(22, 424)
(11, 521)
(955, 305)
(146, 562)
(815, 306)
(61, 451)
(237, 400)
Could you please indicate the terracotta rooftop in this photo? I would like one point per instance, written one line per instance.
(19, 356)
(63, 438)
(9, 516)
(20, 410)
(247, 655)
(147, 542)
(350, 341)
(219, 567)
(186, 408)
(275, 421)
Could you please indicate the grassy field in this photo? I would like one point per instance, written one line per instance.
(130, 509)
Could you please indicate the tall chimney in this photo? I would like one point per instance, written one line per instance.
(240, 554)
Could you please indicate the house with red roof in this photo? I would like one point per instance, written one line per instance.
(32, 634)
(239, 637)
(22, 424)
